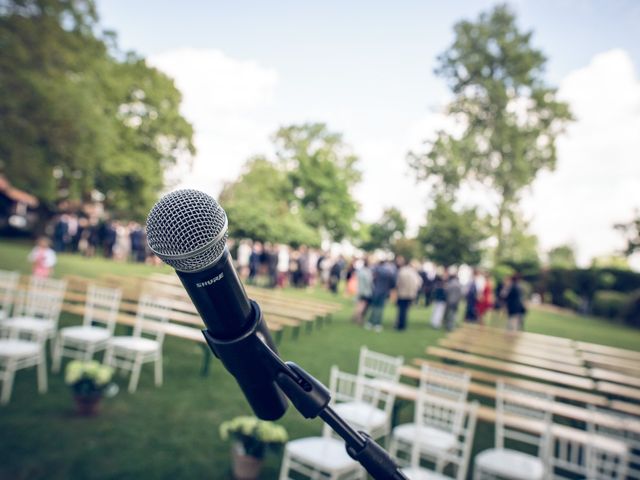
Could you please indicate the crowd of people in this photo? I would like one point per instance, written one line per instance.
(112, 239)
(372, 281)
(375, 282)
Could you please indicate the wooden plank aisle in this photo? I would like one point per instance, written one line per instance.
(526, 371)
(516, 357)
(556, 391)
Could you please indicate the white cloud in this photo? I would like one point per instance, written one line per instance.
(228, 102)
(597, 180)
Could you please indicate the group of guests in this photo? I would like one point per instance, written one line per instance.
(278, 265)
(409, 282)
(119, 240)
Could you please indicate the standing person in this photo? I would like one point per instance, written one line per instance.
(407, 288)
(453, 292)
(109, 236)
(42, 258)
(335, 273)
(283, 265)
(244, 254)
(60, 232)
(272, 266)
(439, 300)
(515, 306)
(384, 280)
(471, 314)
(365, 291)
(486, 298)
(254, 262)
(351, 279)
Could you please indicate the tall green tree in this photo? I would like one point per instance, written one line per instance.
(452, 237)
(321, 170)
(562, 256)
(510, 117)
(386, 231)
(78, 115)
(258, 203)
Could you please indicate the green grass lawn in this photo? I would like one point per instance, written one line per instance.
(171, 431)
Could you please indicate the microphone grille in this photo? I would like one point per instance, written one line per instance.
(187, 229)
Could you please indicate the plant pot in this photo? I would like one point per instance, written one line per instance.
(244, 467)
(87, 405)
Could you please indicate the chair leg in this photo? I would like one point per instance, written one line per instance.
(135, 374)
(108, 355)
(88, 353)
(57, 354)
(7, 384)
(42, 372)
(284, 468)
(158, 371)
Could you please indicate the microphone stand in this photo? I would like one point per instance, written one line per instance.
(309, 396)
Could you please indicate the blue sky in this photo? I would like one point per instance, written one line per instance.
(366, 68)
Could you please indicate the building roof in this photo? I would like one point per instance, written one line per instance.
(17, 195)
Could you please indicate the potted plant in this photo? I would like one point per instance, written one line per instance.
(250, 438)
(88, 381)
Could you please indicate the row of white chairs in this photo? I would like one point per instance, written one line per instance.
(437, 444)
(28, 319)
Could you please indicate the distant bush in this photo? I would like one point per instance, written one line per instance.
(572, 300)
(609, 303)
(631, 311)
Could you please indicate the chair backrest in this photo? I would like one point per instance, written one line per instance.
(626, 435)
(152, 314)
(8, 287)
(44, 298)
(586, 458)
(459, 455)
(379, 365)
(444, 383)
(521, 403)
(102, 306)
(346, 387)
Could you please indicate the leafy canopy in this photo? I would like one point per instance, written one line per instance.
(321, 171)
(508, 116)
(77, 115)
(451, 237)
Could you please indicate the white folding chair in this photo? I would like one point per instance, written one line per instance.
(130, 352)
(36, 313)
(379, 366)
(504, 463)
(357, 400)
(628, 436)
(18, 353)
(84, 340)
(455, 459)
(8, 288)
(584, 458)
(316, 458)
(434, 430)
(361, 402)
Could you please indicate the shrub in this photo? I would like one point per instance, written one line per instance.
(610, 304)
(631, 311)
(572, 300)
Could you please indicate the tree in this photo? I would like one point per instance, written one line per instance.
(562, 256)
(386, 231)
(631, 232)
(520, 249)
(81, 115)
(510, 117)
(450, 237)
(321, 171)
(258, 204)
(409, 248)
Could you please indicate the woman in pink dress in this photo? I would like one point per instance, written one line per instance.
(485, 299)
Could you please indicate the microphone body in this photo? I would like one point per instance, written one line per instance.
(187, 229)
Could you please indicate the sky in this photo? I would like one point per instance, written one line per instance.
(366, 70)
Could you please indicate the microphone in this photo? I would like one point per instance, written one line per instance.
(187, 230)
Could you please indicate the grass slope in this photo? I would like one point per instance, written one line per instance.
(171, 432)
